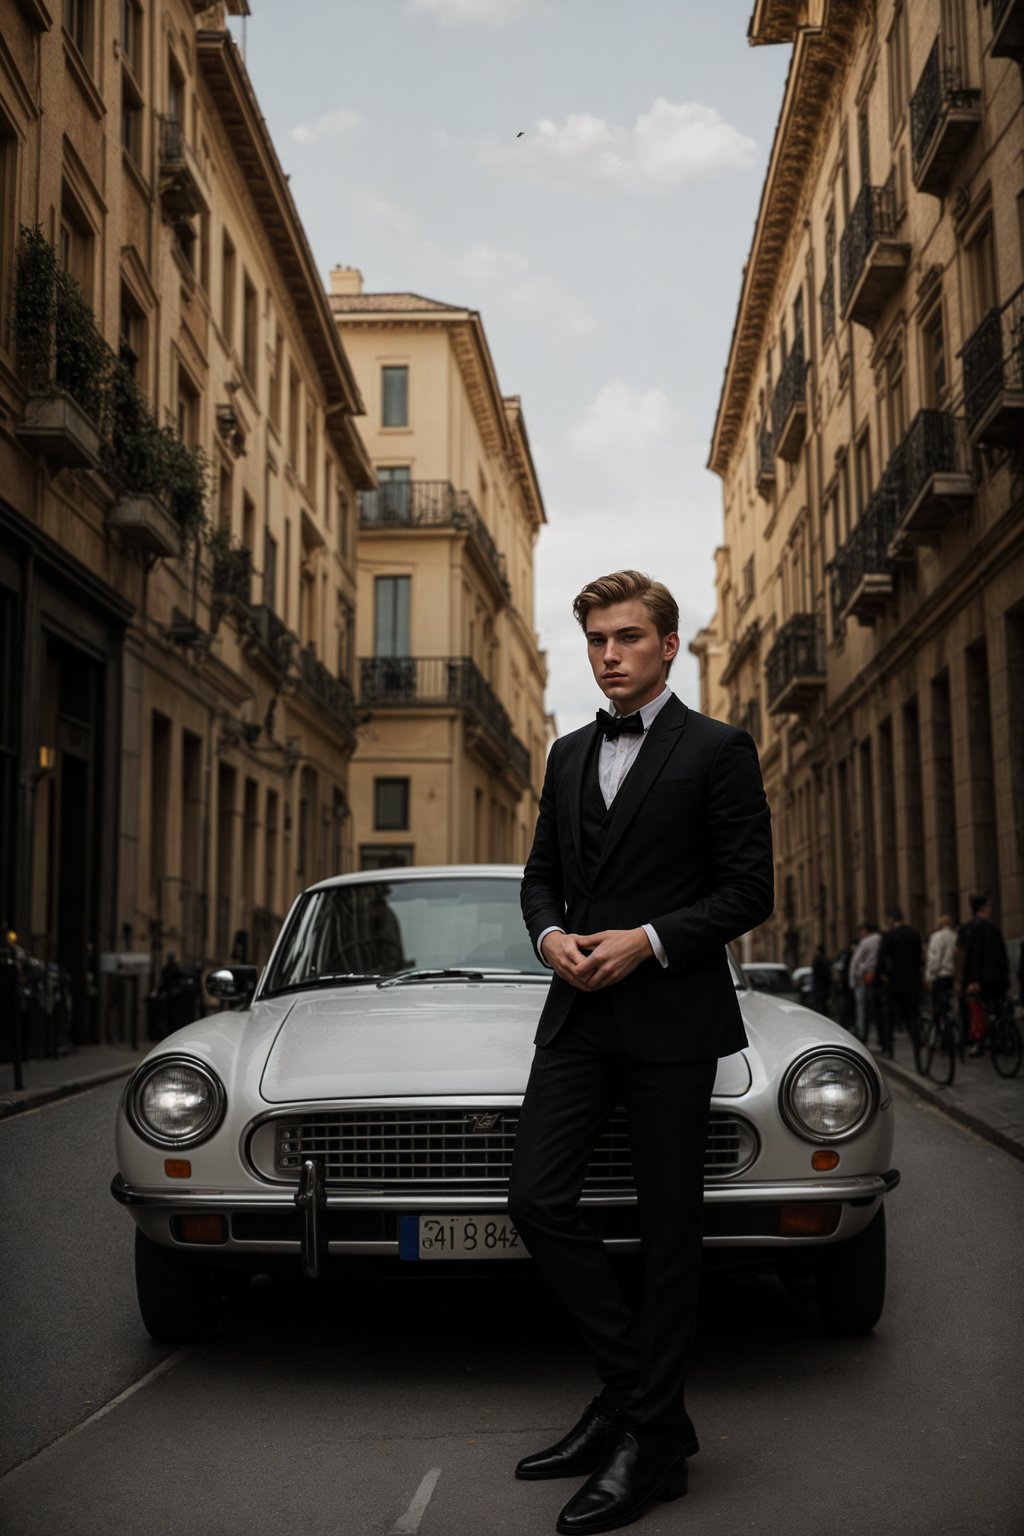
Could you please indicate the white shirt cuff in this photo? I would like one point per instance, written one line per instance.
(540, 941)
(656, 945)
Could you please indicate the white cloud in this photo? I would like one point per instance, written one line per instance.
(670, 144)
(622, 421)
(459, 12)
(330, 125)
(510, 276)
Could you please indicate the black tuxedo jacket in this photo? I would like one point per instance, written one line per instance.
(689, 849)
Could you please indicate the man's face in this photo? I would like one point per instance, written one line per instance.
(628, 657)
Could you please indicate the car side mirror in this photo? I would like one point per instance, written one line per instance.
(232, 983)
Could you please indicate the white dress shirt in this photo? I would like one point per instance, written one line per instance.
(614, 760)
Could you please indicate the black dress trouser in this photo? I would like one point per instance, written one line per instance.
(574, 1085)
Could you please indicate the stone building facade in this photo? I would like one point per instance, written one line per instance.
(869, 626)
(451, 758)
(176, 719)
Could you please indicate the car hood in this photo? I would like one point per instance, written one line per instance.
(419, 1040)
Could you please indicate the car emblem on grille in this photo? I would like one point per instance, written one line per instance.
(484, 1122)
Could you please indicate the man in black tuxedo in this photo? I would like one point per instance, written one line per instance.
(652, 851)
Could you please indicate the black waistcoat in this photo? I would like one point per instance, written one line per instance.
(595, 817)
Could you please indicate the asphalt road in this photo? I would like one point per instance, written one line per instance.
(379, 1410)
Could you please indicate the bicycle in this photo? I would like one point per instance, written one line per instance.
(1002, 1038)
(938, 1044)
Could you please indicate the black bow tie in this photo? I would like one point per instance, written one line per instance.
(620, 725)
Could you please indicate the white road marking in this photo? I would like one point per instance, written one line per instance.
(115, 1402)
(410, 1521)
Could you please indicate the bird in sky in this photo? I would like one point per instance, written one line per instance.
(519, 135)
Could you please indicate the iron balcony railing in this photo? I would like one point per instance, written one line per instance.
(873, 217)
(789, 391)
(232, 574)
(827, 299)
(798, 652)
(934, 444)
(172, 140)
(866, 551)
(993, 356)
(452, 680)
(431, 504)
(273, 636)
(939, 89)
(334, 694)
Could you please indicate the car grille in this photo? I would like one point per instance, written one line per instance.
(466, 1149)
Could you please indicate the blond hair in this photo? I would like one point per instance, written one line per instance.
(621, 587)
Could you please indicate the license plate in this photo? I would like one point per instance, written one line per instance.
(459, 1237)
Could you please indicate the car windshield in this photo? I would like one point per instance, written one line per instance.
(376, 929)
(769, 978)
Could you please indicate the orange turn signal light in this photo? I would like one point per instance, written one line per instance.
(177, 1167)
(806, 1220)
(202, 1229)
(824, 1162)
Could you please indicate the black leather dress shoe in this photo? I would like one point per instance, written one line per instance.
(578, 1452)
(632, 1478)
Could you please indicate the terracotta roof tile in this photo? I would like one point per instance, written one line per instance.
(411, 303)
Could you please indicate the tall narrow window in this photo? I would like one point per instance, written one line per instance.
(864, 148)
(131, 79)
(275, 379)
(132, 335)
(250, 329)
(395, 397)
(293, 415)
(863, 472)
(188, 409)
(391, 805)
(896, 45)
(227, 290)
(933, 356)
(391, 615)
(270, 571)
(78, 26)
(895, 395)
(77, 243)
(981, 273)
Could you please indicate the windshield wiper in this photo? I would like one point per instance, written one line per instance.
(345, 978)
(430, 975)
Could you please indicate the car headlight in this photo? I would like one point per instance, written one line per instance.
(828, 1095)
(175, 1102)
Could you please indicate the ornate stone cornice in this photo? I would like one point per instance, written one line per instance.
(821, 56)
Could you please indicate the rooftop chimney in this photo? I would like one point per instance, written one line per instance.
(346, 280)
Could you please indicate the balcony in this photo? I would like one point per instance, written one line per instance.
(1008, 29)
(789, 404)
(272, 642)
(934, 478)
(863, 572)
(322, 688)
(449, 681)
(409, 504)
(943, 116)
(993, 359)
(181, 181)
(872, 263)
(795, 666)
(765, 463)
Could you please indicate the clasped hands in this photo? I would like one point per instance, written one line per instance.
(591, 961)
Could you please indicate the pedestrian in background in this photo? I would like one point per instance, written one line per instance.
(982, 963)
(899, 967)
(843, 987)
(862, 979)
(939, 964)
(821, 981)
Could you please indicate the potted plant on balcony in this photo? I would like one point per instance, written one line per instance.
(62, 356)
(163, 483)
(232, 572)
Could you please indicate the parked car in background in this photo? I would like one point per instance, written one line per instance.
(356, 1107)
(771, 976)
(803, 983)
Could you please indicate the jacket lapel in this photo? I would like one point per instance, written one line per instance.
(575, 769)
(661, 738)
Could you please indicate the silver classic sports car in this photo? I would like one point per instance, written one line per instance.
(356, 1105)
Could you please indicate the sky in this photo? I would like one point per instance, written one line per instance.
(586, 174)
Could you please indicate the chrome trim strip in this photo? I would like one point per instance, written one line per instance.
(858, 1187)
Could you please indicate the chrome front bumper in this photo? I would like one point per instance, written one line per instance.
(153, 1209)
